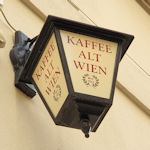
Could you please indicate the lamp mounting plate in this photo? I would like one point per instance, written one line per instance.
(19, 55)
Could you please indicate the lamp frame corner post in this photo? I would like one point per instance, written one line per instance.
(73, 66)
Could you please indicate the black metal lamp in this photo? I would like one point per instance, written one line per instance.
(73, 66)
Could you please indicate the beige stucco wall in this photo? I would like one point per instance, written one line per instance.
(25, 123)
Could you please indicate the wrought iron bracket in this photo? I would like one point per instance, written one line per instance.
(19, 55)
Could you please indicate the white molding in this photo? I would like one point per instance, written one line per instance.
(135, 83)
(35, 9)
(2, 39)
(1, 2)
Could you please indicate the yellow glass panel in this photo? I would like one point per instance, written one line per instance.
(91, 63)
(49, 77)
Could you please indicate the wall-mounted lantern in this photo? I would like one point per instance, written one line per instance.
(73, 66)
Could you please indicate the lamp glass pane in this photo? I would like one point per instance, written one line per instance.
(91, 63)
(49, 77)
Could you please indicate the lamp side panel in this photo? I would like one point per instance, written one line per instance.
(49, 77)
